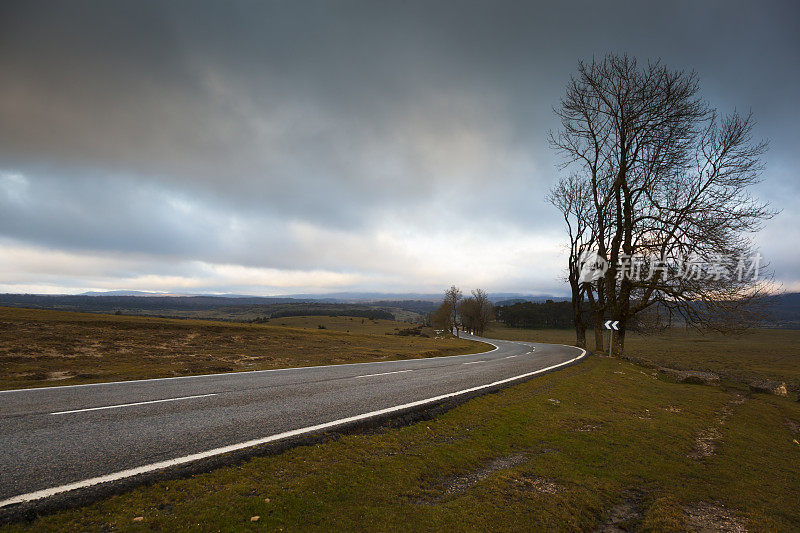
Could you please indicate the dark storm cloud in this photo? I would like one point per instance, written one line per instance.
(268, 106)
(201, 130)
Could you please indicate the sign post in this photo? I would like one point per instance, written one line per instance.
(612, 325)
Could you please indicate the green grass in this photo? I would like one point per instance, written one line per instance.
(618, 434)
(762, 353)
(42, 347)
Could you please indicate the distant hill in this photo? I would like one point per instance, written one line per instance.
(348, 297)
(150, 293)
(785, 311)
(372, 297)
(111, 303)
(126, 293)
(338, 297)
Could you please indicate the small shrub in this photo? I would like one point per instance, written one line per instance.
(664, 515)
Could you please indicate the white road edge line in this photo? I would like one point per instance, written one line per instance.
(117, 406)
(384, 373)
(22, 498)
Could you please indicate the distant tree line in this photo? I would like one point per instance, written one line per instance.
(548, 314)
(556, 315)
(422, 307)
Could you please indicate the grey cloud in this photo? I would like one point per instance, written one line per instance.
(341, 115)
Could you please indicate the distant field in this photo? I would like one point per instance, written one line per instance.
(253, 312)
(41, 347)
(232, 309)
(763, 353)
(344, 323)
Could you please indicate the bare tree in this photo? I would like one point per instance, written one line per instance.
(570, 197)
(451, 298)
(469, 314)
(484, 310)
(657, 177)
(476, 312)
(442, 319)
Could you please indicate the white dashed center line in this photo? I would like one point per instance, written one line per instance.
(473, 362)
(384, 373)
(131, 404)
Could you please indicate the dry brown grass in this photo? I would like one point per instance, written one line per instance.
(348, 324)
(40, 347)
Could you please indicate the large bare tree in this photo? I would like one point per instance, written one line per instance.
(658, 183)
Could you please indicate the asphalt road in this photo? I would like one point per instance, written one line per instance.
(57, 439)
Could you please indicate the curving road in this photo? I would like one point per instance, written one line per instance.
(58, 439)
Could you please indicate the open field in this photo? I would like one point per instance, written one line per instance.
(40, 347)
(345, 323)
(249, 313)
(602, 443)
(763, 353)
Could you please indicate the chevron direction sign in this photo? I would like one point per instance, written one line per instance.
(612, 324)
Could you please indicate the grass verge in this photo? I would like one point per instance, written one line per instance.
(762, 353)
(42, 347)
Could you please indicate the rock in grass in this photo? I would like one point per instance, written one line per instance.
(769, 386)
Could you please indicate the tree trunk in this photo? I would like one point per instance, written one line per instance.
(577, 313)
(597, 320)
(619, 340)
(580, 335)
(599, 341)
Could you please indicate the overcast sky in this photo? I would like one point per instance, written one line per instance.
(295, 146)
